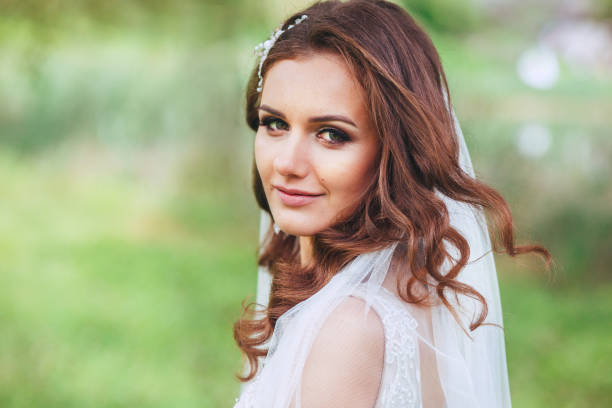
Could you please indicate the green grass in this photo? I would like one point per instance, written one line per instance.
(558, 348)
(104, 302)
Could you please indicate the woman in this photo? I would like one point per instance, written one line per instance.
(384, 292)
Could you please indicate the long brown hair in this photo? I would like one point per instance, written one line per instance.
(399, 69)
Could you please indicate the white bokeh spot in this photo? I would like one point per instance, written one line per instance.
(538, 67)
(533, 139)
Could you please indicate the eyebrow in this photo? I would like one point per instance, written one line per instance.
(317, 119)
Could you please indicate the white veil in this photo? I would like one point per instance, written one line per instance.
(468, 371)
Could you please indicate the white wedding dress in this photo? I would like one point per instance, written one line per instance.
(357, 327)
(400, 377)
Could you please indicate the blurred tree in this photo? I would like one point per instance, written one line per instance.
(445, 15)
(209, 20)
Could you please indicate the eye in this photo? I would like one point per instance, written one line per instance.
(273, 124)
(333, 136)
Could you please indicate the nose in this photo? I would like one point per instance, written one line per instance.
(291, 158)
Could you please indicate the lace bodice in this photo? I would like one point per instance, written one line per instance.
(400, 381)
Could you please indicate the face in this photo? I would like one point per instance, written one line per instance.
(316, 147)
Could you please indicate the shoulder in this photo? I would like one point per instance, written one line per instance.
(345, 364)
(351, 314)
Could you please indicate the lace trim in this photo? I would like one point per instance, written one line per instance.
(400, 382)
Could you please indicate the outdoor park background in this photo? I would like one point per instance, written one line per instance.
(128, 230)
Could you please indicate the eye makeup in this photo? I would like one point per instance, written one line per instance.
(328, 135)
(335, 137)
(273, 124)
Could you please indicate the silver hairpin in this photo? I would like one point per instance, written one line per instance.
(263, 48)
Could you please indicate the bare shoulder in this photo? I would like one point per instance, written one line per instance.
(345, 364)
(350, 317)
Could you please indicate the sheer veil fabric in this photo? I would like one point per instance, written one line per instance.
(427, 359)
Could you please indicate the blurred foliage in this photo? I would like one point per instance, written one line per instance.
(192, 20)
(555, 344)
(129, 230)
(445, 15)
(604, 9)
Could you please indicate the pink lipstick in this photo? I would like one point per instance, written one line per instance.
(295, 198)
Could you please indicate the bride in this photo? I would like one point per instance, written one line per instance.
(383, 286)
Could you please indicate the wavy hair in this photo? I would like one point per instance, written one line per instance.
(406, 91)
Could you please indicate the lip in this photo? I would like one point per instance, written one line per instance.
(295, 198)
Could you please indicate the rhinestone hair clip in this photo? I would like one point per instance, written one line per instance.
(263, 48)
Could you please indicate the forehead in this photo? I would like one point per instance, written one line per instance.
(314, 85)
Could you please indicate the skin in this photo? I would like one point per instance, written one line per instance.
(316, 145)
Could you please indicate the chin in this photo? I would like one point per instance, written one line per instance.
(303, 228)
(300, 232)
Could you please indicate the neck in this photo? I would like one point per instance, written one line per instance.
(306, 250)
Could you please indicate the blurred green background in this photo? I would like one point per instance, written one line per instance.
(128, 230)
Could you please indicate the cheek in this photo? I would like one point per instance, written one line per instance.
(347, 177)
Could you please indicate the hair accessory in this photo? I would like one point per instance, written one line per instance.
(263, 48)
